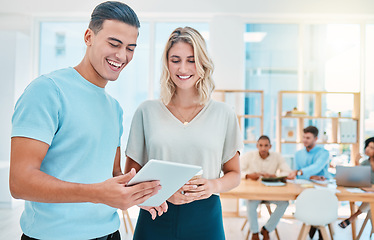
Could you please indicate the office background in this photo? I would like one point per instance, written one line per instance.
(260, 45)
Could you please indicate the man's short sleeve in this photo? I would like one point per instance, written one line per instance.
(36, 114)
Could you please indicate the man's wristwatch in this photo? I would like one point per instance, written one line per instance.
(299, 173)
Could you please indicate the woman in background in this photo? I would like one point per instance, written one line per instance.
(369, 151)
(186, 126)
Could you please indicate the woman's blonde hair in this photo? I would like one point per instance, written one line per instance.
(204, 65)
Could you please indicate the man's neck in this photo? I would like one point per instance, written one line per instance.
(86, 70)
(264, 156)
(309, 148)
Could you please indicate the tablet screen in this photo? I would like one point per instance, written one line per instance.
(172, 176)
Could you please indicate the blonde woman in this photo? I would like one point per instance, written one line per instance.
(186, 126)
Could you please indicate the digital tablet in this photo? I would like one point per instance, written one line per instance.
(172, 176)
(273, 184)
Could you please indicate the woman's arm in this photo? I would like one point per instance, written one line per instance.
(117, 171)
(130, 163)
(231, 177)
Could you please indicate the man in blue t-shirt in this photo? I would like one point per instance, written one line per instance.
(65, 149)
(312, 162)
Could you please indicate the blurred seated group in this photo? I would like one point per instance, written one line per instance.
(311, 162)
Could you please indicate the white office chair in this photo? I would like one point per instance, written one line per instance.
(318, 208)
(125, 214)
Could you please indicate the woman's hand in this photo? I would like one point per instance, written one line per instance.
(205, 188)
(154, 211)
(183, 195)
(357, 159)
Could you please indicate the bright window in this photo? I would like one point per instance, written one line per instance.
(271, 65)
(369, 83)
(320, 57)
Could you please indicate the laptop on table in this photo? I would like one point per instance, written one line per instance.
(358, 176)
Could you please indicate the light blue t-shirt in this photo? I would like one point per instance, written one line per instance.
(83, 126)
(314, 162)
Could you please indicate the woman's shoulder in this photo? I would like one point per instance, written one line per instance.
(221, 106)
(150, 104)
(365, 163)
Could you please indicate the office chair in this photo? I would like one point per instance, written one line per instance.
(318, 208)
(128, 220)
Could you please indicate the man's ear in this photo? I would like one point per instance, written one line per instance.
(88, 35)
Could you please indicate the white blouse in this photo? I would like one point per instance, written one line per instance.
(210, 140)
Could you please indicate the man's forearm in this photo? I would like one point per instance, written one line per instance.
(35, 185)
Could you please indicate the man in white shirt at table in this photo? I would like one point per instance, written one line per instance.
(257, 164)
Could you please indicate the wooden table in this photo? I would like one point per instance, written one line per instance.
(255, 190)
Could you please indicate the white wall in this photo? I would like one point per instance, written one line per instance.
(227, 51)
(7, 68)
(15, 71)
(226, 20)
(16, 22)
(36, 7)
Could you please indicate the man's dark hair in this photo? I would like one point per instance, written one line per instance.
(367, 141)
(264, 137)
(112, 10)
(311, 129)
